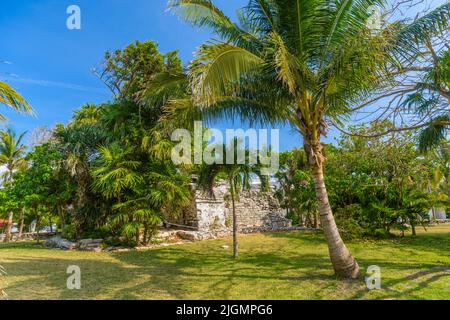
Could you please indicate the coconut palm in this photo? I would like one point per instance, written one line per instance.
(11, 157)
(432, 93)
(301, 62)
(10, 98)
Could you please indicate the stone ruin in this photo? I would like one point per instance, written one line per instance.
(205, 218)
(210, 217)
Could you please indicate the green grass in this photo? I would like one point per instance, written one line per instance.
(291, 265)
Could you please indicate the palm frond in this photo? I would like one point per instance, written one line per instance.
(219, 69)
(10, 98)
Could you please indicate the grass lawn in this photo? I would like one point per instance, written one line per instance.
(291, 265)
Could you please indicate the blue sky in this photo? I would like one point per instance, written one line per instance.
(51, 65)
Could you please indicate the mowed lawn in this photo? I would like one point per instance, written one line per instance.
(290, 265)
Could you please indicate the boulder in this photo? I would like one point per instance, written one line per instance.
(59, 243)
(94, 245)
(188, 235)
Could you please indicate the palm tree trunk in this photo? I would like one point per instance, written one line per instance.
(235, 238)
(61, 219)
(9, 227)
(413, 228)
(433, 214)
(51, 224)
(344, 263)
(22, 218)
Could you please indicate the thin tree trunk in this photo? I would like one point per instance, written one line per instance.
(51, 224)
(61, 219)
(235, 238)
(22, 218)
(413, 227)
(37, 227)
(302, 220)
(138, 237)
(316, 220)
(9, 227)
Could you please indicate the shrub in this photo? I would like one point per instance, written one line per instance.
(349, 221)
(69, 232)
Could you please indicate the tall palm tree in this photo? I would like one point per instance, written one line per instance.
(10, 98)
(11, 152)
(298, 61)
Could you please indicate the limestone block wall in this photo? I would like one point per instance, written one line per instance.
(210, 213)
(254, 209)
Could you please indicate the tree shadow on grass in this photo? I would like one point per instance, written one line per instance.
(46, 278)
(413, 283)
(310, 237)
(265, 270)
(215, 275)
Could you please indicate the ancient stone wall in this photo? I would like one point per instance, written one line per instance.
(253, 210)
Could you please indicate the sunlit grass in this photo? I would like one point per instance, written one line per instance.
(292, 265)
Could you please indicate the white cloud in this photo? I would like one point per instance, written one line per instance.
(46, 83)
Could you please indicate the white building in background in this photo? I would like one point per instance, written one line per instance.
(439, 212)
(2, 171)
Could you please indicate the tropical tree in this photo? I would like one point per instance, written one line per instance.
(296, 191)
(11, 157)
(431, 97)
(237, 174)
(10, 98)
(11, 152)
(297, 61)
(142, 191)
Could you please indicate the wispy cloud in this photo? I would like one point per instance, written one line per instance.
(56, 84)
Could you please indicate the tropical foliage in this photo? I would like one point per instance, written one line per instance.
(108, 173)
(302, 62)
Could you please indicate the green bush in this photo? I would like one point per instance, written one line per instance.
(349, 222)
(102, 233)
(69, 232)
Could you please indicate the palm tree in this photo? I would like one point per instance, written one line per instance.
(10, 98)
(301, 62)
(432, 92)
(11, 152)
(143, 192)
(238, 178)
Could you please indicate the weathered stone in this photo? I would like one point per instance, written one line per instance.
(59, 243)
(188, 235)
(94, 245)
(253, 210)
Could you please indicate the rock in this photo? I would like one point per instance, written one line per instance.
(165, 235)
(201, 235)
(90, 245)
(59, 243)
(188, 235)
